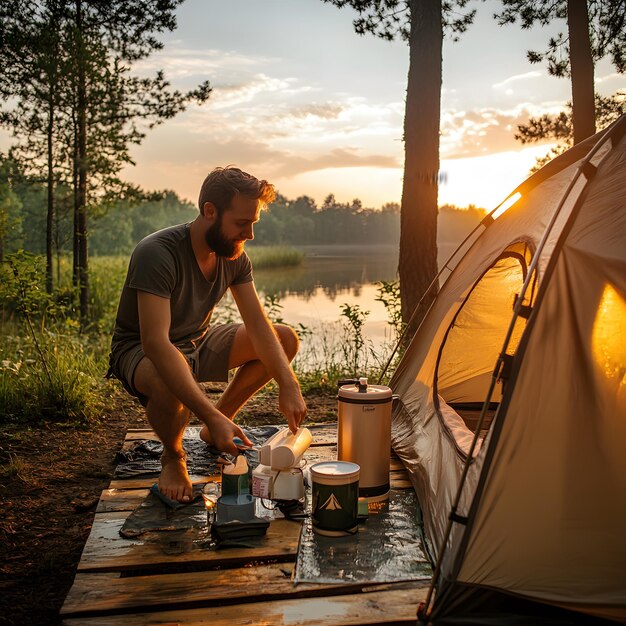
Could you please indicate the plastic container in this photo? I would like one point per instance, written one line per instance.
(235, 480)
(335, 496)
(273, 484)
(285, 449)
(364, 435)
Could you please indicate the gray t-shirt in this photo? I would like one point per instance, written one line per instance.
(164, 264)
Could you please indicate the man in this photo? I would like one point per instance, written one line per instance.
(163, 342)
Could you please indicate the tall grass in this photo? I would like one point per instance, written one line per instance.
(270, 257)
(58, 381)
(52, 367)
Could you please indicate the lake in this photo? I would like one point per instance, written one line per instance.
(312, 293)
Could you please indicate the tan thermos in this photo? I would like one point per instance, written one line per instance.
(364, 435)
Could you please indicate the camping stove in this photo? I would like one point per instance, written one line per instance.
(279, 473)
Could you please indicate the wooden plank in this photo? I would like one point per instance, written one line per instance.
(91, 594)
(106, 550)
(141, 435)
(147, 481)
(395, 463)
(120, 500)
(373, 607)
(399, 480)
(401, 484)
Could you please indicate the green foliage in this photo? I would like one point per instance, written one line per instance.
(64, 392)
(302, 222)
(127, 223)
(560, 127)
(21, 288)
(273, 308)
(389, 295)
(49, 373)
(11, 233)
(607, 30)
(107, 278)
(70, 97)
(390, 18)
(353, 350)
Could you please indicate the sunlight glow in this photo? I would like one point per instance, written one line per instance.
(608, 341)
(507, 204)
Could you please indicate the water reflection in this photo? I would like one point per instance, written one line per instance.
(312, 294)
(331, 270)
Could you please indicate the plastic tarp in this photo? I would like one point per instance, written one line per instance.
(386, 548)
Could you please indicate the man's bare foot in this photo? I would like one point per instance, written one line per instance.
(174, 480)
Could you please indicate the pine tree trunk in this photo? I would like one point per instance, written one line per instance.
(75, 277)
(81, 216)
(581, 62)
(50, 211)
(418, 221)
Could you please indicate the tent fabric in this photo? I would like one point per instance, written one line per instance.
(481, 324)
(558, 478)
(545, 492)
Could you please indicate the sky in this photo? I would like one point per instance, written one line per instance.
(301, 100)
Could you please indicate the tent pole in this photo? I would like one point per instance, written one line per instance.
(485, 222)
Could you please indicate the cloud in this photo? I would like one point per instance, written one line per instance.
(274, 162)
(485, 131)
(517, 78)
(184, 63)
(293, 165)
(324, 110)
(608, 77)
(226, 95)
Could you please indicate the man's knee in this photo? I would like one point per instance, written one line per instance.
(289, 339)
(149, 383)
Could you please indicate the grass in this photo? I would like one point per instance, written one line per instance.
(58, 385)
(51, 368)
(271, 257)
(14, 467)
(328, 353)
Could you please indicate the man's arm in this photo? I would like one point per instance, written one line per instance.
(270, 351)
(154, 325)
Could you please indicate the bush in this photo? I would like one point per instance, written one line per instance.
(55, 383)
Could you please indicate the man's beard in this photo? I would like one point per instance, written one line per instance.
(228, 248)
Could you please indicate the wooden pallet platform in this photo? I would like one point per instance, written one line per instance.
(152, 580)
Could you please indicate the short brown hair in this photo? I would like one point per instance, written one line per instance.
(224, 183)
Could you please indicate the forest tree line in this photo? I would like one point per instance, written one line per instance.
(116, 230)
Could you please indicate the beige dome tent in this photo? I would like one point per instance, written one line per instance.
(511, 408)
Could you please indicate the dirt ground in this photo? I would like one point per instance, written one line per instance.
(50, 484)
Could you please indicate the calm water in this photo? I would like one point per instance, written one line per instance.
(312, 294)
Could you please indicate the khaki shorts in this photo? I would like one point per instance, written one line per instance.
(208, 360)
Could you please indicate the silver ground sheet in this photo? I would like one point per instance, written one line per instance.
(387, 548)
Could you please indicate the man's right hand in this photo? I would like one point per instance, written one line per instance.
(291, 404)
(222, 431)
